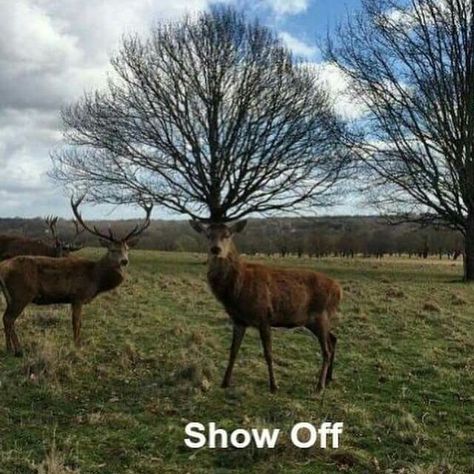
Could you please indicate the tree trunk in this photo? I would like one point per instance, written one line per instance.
(469, 251)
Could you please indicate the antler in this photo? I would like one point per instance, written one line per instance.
(79, 231)
(93, 230)
(51, 222)
(137, 230)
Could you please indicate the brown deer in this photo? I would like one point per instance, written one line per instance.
(263, 297)
(12, 245)
(73, 280)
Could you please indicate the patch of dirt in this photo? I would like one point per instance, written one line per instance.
(458, 300)
(394, 293)
(431, 307)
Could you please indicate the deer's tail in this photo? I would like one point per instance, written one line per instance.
(4, 289)
(335, 298)
(339, 294)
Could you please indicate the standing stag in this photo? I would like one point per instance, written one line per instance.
(12, 245)
(264, 297)
(75, 281)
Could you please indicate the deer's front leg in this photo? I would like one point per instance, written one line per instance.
(238, 335)
(76, 322)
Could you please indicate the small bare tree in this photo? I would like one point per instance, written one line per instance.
(411, 63)
(210, 116)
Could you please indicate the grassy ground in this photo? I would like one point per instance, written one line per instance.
(155, 351)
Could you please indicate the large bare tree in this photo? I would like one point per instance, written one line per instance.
(411, 65)
(210, 116)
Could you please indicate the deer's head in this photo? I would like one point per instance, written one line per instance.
(62, 248)
(219, 236)
(117, 247)
(117, 251)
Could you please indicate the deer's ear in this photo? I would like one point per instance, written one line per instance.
(132, 242)
(197, 226)
(104, 243)
(238, 227)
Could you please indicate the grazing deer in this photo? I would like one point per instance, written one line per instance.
(74, 280)
(263, 297)
(12, 246)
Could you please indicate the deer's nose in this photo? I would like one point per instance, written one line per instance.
(215, 250)
(124, 262)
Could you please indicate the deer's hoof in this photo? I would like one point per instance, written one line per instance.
(225, 384)
(274, 388)
(18, 353)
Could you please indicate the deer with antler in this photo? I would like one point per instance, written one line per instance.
(259, 296)
(63, 248)
(13, 245)
(74, 280)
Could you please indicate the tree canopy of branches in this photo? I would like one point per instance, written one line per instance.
(210, 116)
(411, 64)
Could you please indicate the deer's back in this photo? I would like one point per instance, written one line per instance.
(288, 295)
(12, 246)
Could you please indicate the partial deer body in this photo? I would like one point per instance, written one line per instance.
(12, 246)
(263, 297)
(75, 281)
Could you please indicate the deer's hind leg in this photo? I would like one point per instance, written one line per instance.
(11, 314)
(320, 328)
(333, 340)
(7, 330)
(76, 322)
(266, 337)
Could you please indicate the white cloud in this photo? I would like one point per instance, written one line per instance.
(337, 85)
(299, 47)
(31, 39)
(50, 52)
(287, 7)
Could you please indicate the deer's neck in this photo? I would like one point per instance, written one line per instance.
(224, 276)
(109, 275)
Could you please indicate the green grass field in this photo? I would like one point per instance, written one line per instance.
(155, 350)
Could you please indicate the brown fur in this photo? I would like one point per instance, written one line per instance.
(45, 280)
(263, 297)
(12, 246)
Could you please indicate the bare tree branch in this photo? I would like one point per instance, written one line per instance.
(412, 65)
(211, 117)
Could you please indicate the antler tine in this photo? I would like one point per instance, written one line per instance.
(111, 234)
(51, 223)
(79, 231)
(138, 229)
(94, 230)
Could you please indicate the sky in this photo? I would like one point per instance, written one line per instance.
(51, 51)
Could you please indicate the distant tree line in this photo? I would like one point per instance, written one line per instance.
(314, 237)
